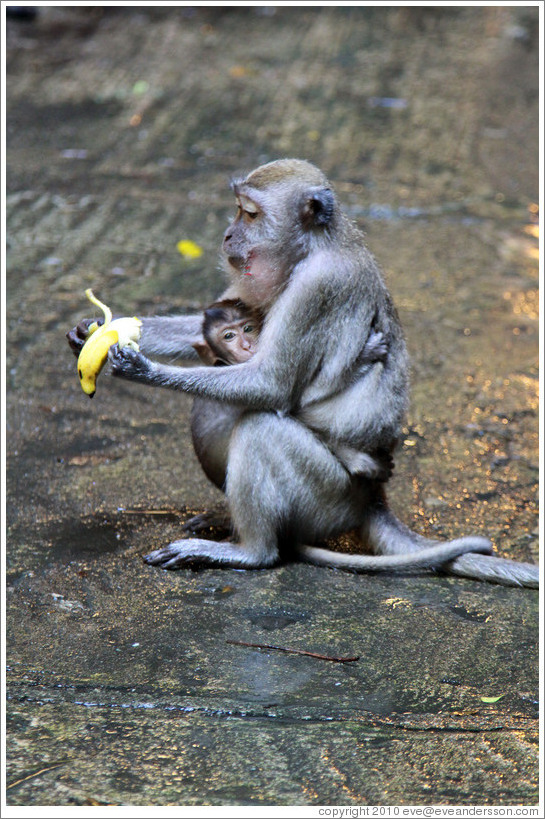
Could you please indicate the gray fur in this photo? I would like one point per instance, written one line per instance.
(171, 335)
(225, 315)
(323, 296)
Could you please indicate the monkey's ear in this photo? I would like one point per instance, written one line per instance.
(204, 352)
(317, 207)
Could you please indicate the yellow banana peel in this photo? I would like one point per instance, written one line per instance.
(92, 358)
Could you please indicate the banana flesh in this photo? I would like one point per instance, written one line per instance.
(92, 358)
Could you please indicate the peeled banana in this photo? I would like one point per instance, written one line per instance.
(92, 358)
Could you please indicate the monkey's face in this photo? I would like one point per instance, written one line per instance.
(285, 210)
(282, 209)
(245, 236)
(236, 342)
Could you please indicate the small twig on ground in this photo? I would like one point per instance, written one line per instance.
(151, 512)
(36, 773)
(294, 651)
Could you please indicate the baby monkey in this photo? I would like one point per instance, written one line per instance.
(231, 332)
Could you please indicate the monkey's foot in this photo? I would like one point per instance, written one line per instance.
(197, 552)
(378, 468)
(216, 524)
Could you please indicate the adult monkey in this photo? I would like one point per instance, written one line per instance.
(293, 254)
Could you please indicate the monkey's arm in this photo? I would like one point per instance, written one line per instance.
(252, 384)
(171, 335)
(292, 345)
(160, 335)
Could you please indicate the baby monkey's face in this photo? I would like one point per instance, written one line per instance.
(237, 341)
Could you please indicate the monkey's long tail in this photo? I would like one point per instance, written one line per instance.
(495, 570)
(396, 546)
(432, 556)
(388, 536)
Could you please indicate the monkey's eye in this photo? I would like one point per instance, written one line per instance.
(228, 335)
(248, 207)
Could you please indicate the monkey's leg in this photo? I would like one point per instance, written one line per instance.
(249, 500)
(212, 425)
(198, 552)
(280, 478)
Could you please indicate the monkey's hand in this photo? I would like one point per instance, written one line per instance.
(130, 364)
(79, 334)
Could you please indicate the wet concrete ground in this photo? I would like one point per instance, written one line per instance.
(123, 128)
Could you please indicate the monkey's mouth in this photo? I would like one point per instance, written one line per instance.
(236, 261)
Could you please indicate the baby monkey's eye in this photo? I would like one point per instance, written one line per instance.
(228, 335)
(248, 328)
